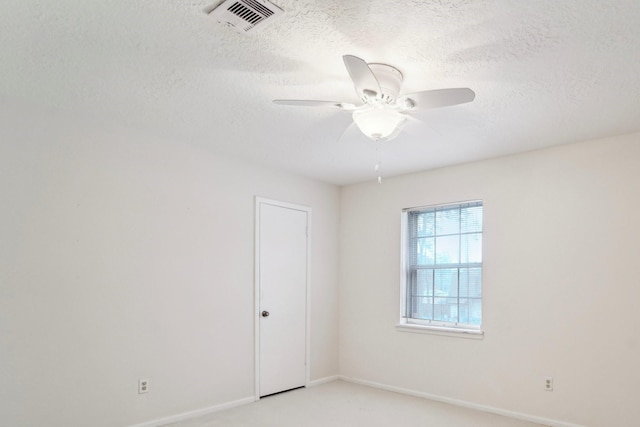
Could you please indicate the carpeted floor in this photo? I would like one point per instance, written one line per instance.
(344, 404)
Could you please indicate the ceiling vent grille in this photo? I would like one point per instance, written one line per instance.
(245, 15)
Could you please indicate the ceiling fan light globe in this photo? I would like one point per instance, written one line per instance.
(378, 123)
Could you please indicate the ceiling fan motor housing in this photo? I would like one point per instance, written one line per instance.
(390, 80)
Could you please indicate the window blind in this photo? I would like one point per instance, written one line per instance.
(444, 264)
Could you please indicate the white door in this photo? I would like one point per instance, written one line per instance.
(281, 270)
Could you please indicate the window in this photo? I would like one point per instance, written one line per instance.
(442, 286)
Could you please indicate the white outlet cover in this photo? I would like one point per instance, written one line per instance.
(143, 386)
(548, 383)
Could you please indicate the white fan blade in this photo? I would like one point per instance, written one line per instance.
(435, 98)
(310, 103)
(367, 86)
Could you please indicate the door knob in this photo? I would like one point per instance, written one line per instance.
(265, 313)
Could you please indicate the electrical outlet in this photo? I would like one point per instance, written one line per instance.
(143, 386)
(548, 383)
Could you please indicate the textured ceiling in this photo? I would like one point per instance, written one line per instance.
(545, 72)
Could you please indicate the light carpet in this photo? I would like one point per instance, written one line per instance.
(344, 404)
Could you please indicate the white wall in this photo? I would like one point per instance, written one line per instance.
(561, 287)
(124, 256)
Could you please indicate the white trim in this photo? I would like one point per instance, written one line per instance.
(442, 205)
(308, 307)
(256, 303)
(462, 403)
(324, 380)
(256, 279)
(403, 264)
(440, 330)
(197, 413)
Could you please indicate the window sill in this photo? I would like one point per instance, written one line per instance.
(441, 330)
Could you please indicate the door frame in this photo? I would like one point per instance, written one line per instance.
(259, 201)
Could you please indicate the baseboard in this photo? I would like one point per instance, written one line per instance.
(197, 413)
(490, 409)
(462, 403)
(323, 380)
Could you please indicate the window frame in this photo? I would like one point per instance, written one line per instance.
(408, 324)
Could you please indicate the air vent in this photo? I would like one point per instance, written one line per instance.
(245, 15)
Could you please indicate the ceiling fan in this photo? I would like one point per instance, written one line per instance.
(382, 114)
